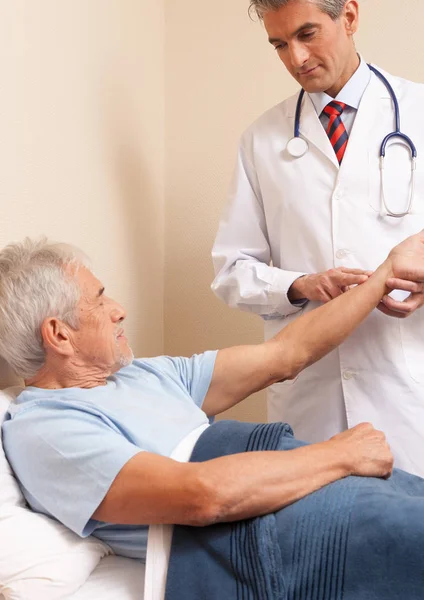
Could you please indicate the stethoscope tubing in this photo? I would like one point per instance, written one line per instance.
(397, 132)
(394, 134)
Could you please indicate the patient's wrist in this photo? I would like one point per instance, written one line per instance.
(384, 272)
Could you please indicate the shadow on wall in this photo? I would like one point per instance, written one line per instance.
(7, 377)
(137, 175)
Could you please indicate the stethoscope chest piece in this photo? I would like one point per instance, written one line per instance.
(297, 147)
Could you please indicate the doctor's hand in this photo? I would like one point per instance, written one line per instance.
(323, 287)
(401, 309)
(366, 451)
(407, 264)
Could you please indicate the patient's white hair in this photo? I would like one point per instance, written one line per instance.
(34, 285)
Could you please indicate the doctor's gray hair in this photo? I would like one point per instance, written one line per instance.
(35, 285)
(333, 8)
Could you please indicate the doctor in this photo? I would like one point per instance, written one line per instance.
(311, 216)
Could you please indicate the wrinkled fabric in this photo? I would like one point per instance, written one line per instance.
(355, 539)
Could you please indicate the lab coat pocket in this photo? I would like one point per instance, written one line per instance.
(412, 336)
(396, 181)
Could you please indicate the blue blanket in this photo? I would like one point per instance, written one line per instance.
(356, 539)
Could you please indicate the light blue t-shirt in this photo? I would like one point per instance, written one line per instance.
(66, 446)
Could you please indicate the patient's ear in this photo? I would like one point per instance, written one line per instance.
(56, 336)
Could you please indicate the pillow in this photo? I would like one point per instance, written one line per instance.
(40, 559)
(10, 493)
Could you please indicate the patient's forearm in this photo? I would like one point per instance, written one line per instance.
(316, 333)
(243, 370)
(262, 482)
(151, 489)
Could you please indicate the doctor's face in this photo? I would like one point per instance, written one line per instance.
(317, 51)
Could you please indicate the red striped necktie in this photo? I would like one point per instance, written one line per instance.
(336, 131)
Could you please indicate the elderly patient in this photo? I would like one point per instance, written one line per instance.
(90, 440)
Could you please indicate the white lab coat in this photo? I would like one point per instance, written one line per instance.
(287, 217)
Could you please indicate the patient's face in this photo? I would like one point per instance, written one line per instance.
(99, 342)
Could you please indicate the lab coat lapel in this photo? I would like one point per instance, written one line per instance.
(313, 131)
(376, 98)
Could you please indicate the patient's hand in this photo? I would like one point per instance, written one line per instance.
(366, 451)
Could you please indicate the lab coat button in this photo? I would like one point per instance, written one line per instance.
(348, 375)
(342, 253)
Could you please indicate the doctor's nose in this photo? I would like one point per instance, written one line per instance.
(299, 55)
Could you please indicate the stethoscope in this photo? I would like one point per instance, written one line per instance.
(298, 146)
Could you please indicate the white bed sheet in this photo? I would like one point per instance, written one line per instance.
(114, 578)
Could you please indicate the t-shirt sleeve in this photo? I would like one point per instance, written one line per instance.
(67, 463)
(194, 373)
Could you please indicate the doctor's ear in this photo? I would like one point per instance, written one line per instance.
(56, 336)
(351, 16)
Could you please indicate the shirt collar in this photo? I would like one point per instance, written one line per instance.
(351, 94)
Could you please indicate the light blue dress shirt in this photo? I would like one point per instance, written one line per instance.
(351, 94)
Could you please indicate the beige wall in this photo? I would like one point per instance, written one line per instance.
(82, 141)
(221, 74)
(82, 152)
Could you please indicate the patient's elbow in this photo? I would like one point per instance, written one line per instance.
(297, 359)
(207, 505)
(286, 359)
